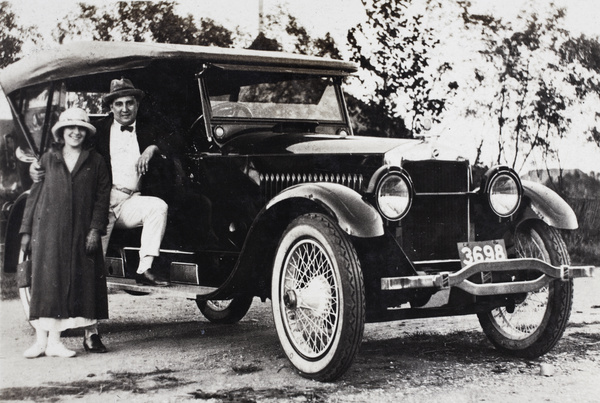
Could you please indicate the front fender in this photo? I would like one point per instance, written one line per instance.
(354, 216)
(548, 206)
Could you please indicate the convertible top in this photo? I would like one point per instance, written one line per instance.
(83, 58)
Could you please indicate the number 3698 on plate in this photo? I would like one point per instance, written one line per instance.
(484, 251)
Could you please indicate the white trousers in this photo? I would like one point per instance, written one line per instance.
(134, 211)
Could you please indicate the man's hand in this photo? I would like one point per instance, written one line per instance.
(36, 172)
(92, 241)
(25, 243)
(144, 160)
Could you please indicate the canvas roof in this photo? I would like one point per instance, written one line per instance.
(84, 58)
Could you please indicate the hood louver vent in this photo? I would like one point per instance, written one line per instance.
(273, 183)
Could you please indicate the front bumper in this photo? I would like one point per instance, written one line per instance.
(459, 279)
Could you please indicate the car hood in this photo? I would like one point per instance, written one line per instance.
(393, 150)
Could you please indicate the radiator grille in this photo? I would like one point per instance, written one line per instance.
(273, 183)
(438, 176)
(439, 216)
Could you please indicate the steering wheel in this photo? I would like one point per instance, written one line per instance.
(231, 109)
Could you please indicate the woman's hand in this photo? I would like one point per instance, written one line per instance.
(36, 172)
(92, 241)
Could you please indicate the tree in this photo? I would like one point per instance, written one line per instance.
(140, 22)
(12, 35)
(392, 47)
(581, 57)
(304, 44)
(261, 42)
(283, 32)
(539, 76)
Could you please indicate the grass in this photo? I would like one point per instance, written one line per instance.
(8, 286)
(585, 254)
(583, 246)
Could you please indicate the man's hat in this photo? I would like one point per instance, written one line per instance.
(122, 87)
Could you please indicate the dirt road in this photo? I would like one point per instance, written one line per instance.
(164, 350)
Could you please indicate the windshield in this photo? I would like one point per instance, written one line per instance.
(39, 107)
(273, 96)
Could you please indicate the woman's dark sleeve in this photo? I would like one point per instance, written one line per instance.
(32, 199)
(102, 199)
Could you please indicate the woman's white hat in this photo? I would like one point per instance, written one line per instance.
(73, 117)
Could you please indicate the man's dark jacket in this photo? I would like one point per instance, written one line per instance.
(158, 180)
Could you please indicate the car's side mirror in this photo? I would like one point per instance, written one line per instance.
(25, 156)
(422, 124)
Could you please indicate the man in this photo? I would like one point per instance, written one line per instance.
(128, 146)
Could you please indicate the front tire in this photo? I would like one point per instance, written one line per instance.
(318, 297)
(537, 323)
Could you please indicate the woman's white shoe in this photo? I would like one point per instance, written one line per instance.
(59, 350)
(35, 351)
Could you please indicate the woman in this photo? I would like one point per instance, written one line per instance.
(64, 218)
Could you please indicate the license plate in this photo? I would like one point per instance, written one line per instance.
(485, 251)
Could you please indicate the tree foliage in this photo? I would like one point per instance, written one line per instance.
(140, 22)
(283, 32)
(10, 38)
(393, 48)
(261, 42)
(12, 35)
(581, 57)
(539, 75)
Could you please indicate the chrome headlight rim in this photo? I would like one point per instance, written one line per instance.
(384, 208)
(491, 179)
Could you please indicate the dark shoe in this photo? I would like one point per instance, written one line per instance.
(149, 278)
(95, 346)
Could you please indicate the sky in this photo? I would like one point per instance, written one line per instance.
(336, 17)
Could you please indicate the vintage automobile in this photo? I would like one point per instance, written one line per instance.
(335, 229)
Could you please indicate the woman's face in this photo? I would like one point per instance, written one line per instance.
(74, 136)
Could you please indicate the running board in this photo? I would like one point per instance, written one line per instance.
(174, 290)
(179, 272)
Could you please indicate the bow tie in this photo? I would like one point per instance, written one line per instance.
(127, 128)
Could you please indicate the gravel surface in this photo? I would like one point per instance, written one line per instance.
(162, 349)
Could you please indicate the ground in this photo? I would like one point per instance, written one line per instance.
(162, 349)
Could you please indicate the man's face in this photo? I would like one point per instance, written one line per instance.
(125, 109)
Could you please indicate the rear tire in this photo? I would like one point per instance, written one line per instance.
(25, 292)
(225, 311)
(537, 323)
(318, 297)
(136, 293)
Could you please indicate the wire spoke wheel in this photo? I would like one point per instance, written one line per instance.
(527, 316)
(226, 311)
(25, 292)
(533, 325)
(219, 305)
(318, 297)
(313, 318)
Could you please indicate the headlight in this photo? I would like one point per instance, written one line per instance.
(394, 195)
(503, 189)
